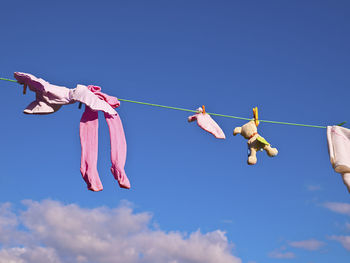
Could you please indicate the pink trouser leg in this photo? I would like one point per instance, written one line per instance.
(89, 149)
(118, 149)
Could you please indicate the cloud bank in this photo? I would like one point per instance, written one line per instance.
(281, 255)
(311, 244)
(52, 232)
(315, 187)
(347, 226)
(341, 208)
(344, 240)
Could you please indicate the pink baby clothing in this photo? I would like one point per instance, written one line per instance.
(339, 151)
(50, 98)
(207, 123)
(89, 143)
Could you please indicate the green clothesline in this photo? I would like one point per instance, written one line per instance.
(214, 114)
(12, 80)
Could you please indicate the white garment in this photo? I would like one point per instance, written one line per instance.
(50, 98)
(339, 151)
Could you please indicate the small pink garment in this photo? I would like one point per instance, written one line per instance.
(89, 143)
(338, 139)
(50, 98)
(207, 123)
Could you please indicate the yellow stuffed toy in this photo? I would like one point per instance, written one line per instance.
(255, 141)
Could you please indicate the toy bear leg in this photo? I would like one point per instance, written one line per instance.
(252, 157)
(346, 180)
(270, 151)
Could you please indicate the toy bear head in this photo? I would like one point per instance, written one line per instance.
(247, 130)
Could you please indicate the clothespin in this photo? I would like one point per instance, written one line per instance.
(256, 119)
(24, 89)
(203, 108)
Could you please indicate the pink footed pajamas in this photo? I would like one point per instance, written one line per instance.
(50, 98)
(89, 144)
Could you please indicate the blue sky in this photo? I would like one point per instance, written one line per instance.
(289, 58)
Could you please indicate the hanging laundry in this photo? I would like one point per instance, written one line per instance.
(207, 123)
(338, 139)
(89, 143)
(50, 98)
(255, 141)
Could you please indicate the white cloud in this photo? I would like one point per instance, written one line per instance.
(56, 233)
(310, 244)
(313, 188)
(342, 208)
(347, 226)
(344, 240)
(281, 254)
(24, 255)
(8, 226)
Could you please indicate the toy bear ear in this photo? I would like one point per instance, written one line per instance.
(237, 130)
(256, 118)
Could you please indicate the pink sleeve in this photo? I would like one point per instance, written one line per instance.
(192, 118)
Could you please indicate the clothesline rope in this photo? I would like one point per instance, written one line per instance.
(214, 114)
(222, 115)
(12, 80)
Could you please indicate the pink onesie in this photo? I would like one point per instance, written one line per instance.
(89, 144)
(207, 123)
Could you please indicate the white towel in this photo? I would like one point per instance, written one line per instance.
(339, 151)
